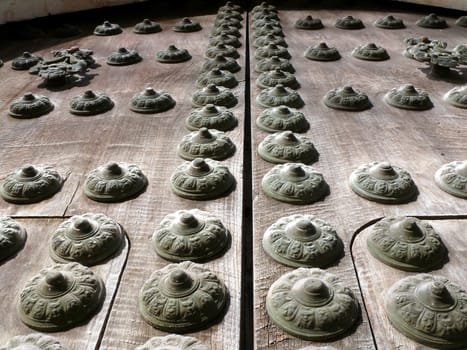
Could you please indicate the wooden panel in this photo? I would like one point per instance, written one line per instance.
(151, 142)
(374, 285)
(417, 141)
(15, 272)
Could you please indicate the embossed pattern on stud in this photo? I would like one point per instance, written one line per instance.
(428, 309)
(114, 182)
(12, 237)
(31, 184)
(212, 117)
(88, 239)
(282, 118)
(452, 178)
(90, 103)
(151, 101)
(303, 241)
(107, 28)
(182, 297)
(172, 341)
(406, 243)
(384, 183)
(30, 106)
(146, 26)
(295, 183)
(313, 293)
(44, 302)
(206, 143)
(287, 147)
(193, 235)
(201, 179)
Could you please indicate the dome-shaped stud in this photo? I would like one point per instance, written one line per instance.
(452, 178)
(88, 239)
(462, 21)
(221, 62)
(389, 22)
(201, 179)
(347, 98)
(183, 297)
(172, 341)
(295, 183)
(384, 183)
(217, 77)
(407, 244)
(303, 241)
(309, 23)
(225, 28)
(187, 25)
(25, 61)
(30, 106)
(123, 57)
(408, 97)
(212, 117)
(269, 15)
(277, 76)
(107, 28)
(432, 21)
(233, 22)
(370, 52)
(30, 184)
(228, 14)
(267, 30)
(173, 55)
(269, 39)
(322, 52)
(212, 94)
(34, 341)
(349, 22)
(457, 96)
(263, 6)
(12, 237)
(193, 235)
(272, 63)
(287, 147)
(44, 303)
(226, 39)
(437, 303)
(206, 143)
(260, 23)
(279, 96)
(151, 101)
(229, 5)
(222, 50)
(146, 26)
(282, 118)
(272, 50)
(114, 182)
(315, 294)
(90, 103)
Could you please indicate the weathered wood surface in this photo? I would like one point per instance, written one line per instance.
(80, 144)
(418, 141)
(18, 270)
(374, 285)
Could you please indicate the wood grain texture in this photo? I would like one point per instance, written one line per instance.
(16, 271)
(376, 278)
(420, 142)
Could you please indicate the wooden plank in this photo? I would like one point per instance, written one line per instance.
(452, 4)
(15, 272)
(151, 142)
(417, 141)
(374, 285)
